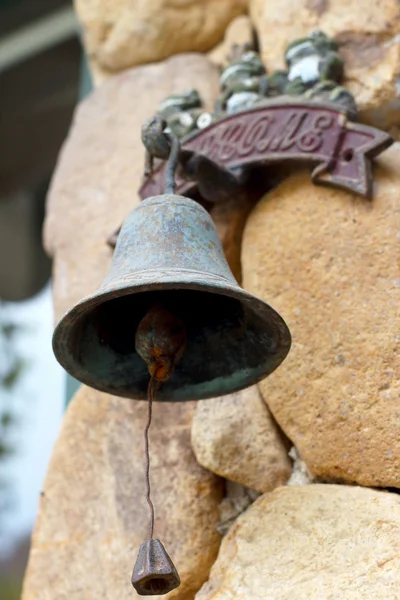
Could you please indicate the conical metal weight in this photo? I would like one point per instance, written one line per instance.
(168, 252)
(154, 573)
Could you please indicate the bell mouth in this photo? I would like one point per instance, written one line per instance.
(154, 586)
(233, 340)
(157, 585)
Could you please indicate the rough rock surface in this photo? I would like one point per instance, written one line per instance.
(300, 474)
(311, 543)
(237, 498)
(119, 34)
(369, 44)
(328, 261)
(239, 32)
(100, 169)
(230, 219)
(93, 513)
(235, 436)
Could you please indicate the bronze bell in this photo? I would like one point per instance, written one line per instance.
(168, 252)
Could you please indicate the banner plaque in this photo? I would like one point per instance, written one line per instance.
(288, 130)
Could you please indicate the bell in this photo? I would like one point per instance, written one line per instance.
(168, 253)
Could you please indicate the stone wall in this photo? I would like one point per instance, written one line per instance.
(282, 469)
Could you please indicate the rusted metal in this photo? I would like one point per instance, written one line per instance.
(160, 340)
(151, 390)
(154, 572)
(168, 252)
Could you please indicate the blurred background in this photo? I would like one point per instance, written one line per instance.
(42, 75)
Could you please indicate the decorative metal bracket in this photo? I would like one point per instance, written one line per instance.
(216, 162)
(278, 131)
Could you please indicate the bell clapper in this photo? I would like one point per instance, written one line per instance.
(160, 340)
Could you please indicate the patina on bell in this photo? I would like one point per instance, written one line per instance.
(169, 253)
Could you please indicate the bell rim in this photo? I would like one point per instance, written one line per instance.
(223, 287)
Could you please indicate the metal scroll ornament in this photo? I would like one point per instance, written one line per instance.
(287, 130)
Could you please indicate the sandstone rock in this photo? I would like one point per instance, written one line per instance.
(328, 262)
(311, 543)
(230, 219)
(235, 436)
(240, 31)
(119, 34)
(93, 513)
(100, 169)
(369, 39)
